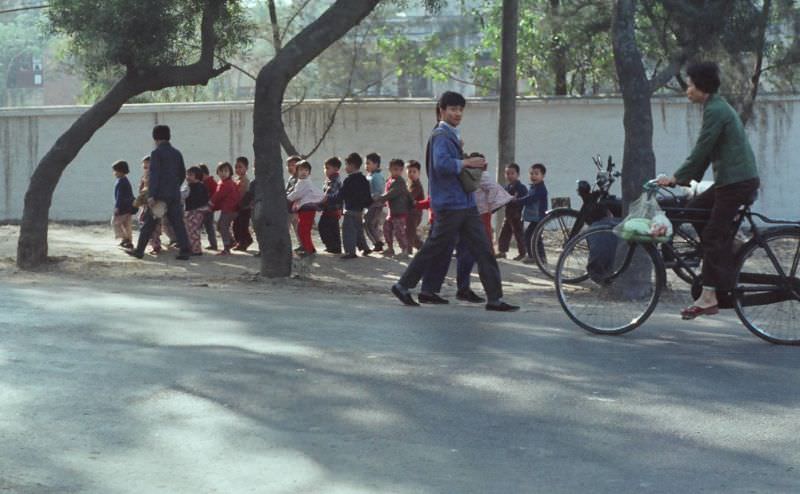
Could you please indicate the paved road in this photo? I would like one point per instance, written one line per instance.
(109, 390)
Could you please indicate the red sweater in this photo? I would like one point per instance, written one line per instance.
(211, 185)
(226, 197)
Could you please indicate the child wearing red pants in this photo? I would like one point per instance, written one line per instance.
(305, 199)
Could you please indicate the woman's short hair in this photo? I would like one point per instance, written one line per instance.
(705, 76)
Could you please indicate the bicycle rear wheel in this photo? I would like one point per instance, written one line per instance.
(767, 293)
(620, 282)
(549, 238)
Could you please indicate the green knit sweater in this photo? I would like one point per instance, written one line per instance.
(723, 144)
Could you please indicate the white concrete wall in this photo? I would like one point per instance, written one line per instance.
(562, 133)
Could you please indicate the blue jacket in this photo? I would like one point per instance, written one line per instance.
(167, 173)
(520, 193)
(123, 196)
(535, 203)
(444, 165)
(377, 184)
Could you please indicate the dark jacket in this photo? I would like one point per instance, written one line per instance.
(723, 144)
(520, 192)
(198, 196)
(535, 203)
(356, 193)
(123, 196)
(167, 173)
(333, 197)
(397, 197)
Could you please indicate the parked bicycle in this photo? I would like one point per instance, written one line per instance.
(562, 224)
(610, 286)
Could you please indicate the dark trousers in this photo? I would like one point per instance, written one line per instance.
(433, 279)
(241, 229)
(716, 229)
(512, 224)
(175, 218)
(329, 232)
(466, 224)
(208, 225)
(353, 232)
(529, 235)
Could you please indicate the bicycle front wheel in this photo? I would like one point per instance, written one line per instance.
(767, 293)
(549, 238)
(620, 282)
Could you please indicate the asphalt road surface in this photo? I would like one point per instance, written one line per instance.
(173, 389)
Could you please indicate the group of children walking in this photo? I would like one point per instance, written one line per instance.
(352, 210)
(202, 195)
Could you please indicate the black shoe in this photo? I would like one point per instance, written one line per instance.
(431, 298)
(501, 307)
(197, 253)
(134, 253)
(378, 247)
(469, 296)
(183, 256)
(403, 295)
(211, 247)
(333, 251)
(348, 256)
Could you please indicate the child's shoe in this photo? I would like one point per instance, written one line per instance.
(500, 255)
(388, 253)
(154, 252)
(529, 260)
(224, 252)
(378, 247)
(519, 257)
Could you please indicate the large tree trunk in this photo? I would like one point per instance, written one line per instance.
(32, 244)
(559, 49)
(507, 118)
(638, 160)
(270, 216)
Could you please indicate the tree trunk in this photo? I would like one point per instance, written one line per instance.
(507, 120)
(638, 160)
(32, 244)
(270, 217)
(559, 50)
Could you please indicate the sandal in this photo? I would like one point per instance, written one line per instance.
(694, 311)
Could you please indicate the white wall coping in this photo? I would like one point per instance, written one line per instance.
(35, 111)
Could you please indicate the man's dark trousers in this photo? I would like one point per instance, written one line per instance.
(465, 223)
(175, 217)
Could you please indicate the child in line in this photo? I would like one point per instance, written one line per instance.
(417, 193)
(195, 207)
(374, 218)
(305, 198)
(331, 207)
(226, 201)
(241, 225)
(208, 217)
(291, 170)
(356, 196)
(123, 205)
(399, 201)
(513, 220)
(535, 209)
(141, 203)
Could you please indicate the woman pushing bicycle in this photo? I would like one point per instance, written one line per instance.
(723, 144)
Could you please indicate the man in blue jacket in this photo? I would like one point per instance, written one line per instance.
(167, 173)
(455, 210)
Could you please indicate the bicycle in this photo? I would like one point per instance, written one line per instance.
(610, 286)
(561, 224)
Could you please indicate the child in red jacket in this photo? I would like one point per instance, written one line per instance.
(225, 200)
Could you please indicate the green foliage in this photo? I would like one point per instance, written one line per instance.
(109, 35)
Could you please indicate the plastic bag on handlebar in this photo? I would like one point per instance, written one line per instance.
(646, 222)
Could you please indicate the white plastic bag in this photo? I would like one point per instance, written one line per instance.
(646, 222)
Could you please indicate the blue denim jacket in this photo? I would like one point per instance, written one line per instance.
(535, 203)
(445, 156)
